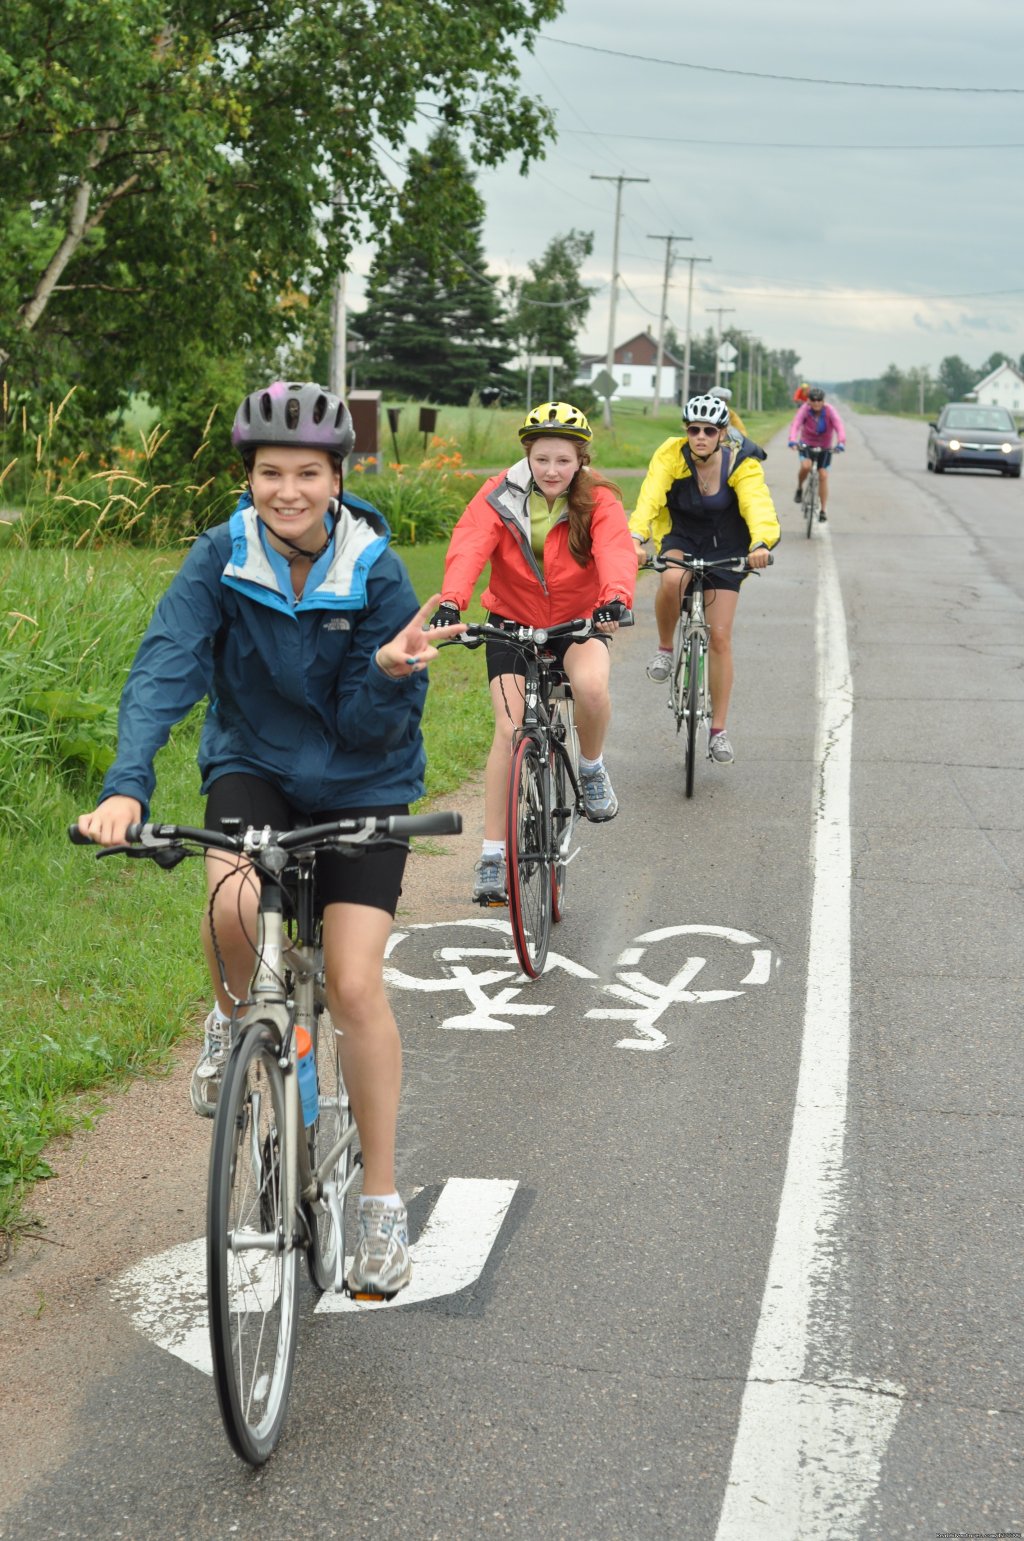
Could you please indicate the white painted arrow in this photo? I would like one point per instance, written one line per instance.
(454, 1245)
(166, 1294)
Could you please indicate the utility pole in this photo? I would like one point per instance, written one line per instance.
(339, 342)
(668, 239)
(610, 360)
(719, 311)
(689, 322)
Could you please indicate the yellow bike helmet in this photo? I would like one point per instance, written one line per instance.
(557, 420)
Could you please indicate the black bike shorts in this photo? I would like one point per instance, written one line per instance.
(821, 455)
(722, 579)
(372, 876)
(503, 658)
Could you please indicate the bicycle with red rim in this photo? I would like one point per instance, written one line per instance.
(545, 795)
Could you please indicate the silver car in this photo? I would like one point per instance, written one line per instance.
(967, 434)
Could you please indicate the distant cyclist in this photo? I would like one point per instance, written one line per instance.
(725, 394)
(702, 496)
(737, 427)
(555, 535)
(818, 426)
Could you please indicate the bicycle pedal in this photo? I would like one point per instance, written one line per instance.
(493, 904)
(368, 1297)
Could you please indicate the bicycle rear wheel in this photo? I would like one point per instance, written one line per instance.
(326, 1238)
(563, 804)
(252, 1266)
(691, 708)
(529, 863)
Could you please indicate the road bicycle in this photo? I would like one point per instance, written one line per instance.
(689, 684)
(816, 454)
(283, 1161)
(545, 794)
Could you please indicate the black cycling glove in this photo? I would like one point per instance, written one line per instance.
(613, 611)
(446, 614)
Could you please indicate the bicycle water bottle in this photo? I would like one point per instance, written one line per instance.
(307, 1077)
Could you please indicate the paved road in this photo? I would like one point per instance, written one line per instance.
(761, 1275)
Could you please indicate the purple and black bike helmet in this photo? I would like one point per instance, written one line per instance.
(306, 416)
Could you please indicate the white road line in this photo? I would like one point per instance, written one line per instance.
(811, 1440)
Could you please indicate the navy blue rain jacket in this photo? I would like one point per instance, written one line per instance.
(294, 693)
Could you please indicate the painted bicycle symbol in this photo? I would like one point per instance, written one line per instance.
(486, 962)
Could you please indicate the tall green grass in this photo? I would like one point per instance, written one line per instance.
(101, 972)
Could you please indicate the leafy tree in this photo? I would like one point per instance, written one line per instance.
(172, 168)
(956, 377)
(991, 363)
(549, 308)
(433, 324)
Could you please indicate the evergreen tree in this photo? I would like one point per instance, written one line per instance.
(433, 326)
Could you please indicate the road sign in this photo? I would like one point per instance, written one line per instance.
(605, 385)
(727, 354)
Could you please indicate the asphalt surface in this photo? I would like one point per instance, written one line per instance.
(589, 1384)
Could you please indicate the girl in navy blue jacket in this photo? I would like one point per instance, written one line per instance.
(300, 627)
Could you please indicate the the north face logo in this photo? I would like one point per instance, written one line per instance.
(337, 623)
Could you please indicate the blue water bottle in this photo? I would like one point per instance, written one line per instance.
(307, 1077)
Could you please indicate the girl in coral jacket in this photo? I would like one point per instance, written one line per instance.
(556, 537)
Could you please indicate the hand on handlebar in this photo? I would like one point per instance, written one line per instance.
(840, 449)
(446, 614)
(606, 618)
(108, 824)
(759, 557)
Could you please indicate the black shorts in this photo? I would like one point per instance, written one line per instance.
(503, 658)
(722, 579)
(823, 456)
(373, 876)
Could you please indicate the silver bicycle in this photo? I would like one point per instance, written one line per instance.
(282, 1163)
(689, 684)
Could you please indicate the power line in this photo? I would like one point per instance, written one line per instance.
(801, 80)
(801, 144)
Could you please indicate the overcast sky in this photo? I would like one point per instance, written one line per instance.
(890, 251)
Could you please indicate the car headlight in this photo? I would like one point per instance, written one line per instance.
(1006, 448)
(954, 443)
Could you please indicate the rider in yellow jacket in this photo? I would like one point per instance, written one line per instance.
(705, 496)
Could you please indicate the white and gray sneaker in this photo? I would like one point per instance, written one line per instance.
(720, 749)
(381, 1264)
(659, 666)
(207, 1075)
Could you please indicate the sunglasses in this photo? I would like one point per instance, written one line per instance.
(695, 428)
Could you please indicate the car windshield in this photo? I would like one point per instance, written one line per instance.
(995, 419)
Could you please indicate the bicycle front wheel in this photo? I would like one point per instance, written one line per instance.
(811, 500)
(691, 708)
(251, 1262)
(563, 804)
(677, 679)
(334, 1120)
(529, 860)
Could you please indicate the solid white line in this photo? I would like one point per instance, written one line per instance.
(810, 1442)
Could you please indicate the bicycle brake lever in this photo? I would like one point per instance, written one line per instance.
(164, 856)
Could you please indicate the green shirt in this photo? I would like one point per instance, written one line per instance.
(543, 519)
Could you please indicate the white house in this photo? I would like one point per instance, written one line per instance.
(1004, 387)
(635, 369)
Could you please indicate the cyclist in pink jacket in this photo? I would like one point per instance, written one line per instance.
(818, 426)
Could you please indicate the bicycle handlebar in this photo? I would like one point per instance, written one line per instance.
(155, 839)
(531, 636)
(696, 564)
